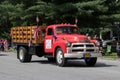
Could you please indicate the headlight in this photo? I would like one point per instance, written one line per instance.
(97, 43)
(68, 44)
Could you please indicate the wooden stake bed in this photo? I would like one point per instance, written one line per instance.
(26, 34)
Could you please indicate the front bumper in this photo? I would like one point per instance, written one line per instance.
(81, 55)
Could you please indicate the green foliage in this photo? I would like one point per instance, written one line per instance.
(110, 56)
(90, 13)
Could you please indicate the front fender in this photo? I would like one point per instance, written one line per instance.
(59, 44)
(93, 41)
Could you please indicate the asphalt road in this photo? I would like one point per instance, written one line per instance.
(41, 69)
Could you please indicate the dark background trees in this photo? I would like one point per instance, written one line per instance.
(90, 13)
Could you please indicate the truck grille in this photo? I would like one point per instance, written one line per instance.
(83, 47)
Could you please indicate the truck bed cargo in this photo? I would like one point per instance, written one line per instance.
(25, 34)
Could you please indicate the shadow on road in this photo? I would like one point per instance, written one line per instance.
(73, 63)
(43, 62)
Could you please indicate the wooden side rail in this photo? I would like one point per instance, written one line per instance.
(25, 34)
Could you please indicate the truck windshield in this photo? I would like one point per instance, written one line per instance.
(67, 30)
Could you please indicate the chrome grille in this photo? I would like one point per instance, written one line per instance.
(83, 47)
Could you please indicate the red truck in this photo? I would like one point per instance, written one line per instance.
(59, 42)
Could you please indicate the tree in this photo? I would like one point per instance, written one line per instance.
(9, 15)
(90, 13)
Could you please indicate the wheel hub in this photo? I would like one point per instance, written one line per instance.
(59, 57)
(21, 54)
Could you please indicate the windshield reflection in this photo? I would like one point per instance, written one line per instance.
(67, 30)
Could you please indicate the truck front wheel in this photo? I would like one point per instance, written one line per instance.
(23, 55)
(91, 61)
(60, 60)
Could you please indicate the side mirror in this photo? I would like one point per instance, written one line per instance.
(54, 36)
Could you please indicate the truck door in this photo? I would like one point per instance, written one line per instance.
(49, 40)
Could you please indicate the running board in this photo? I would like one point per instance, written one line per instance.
(48, 56)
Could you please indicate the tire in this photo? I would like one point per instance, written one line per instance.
(60, 60)
(90, 61)
(23, 55)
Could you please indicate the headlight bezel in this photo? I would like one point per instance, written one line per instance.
(97, 43)
(68, 44)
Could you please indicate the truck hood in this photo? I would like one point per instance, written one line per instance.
(74, 38)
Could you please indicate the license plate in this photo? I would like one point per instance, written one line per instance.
(87, 55)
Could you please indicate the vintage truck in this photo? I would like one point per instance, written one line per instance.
(58, 42)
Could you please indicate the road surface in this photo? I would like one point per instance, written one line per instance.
(41, 69)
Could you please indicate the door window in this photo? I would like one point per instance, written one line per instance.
(50, 31)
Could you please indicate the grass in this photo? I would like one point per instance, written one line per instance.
(11, 50)
(112, 55)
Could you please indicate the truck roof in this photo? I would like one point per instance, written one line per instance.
(56, 25)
